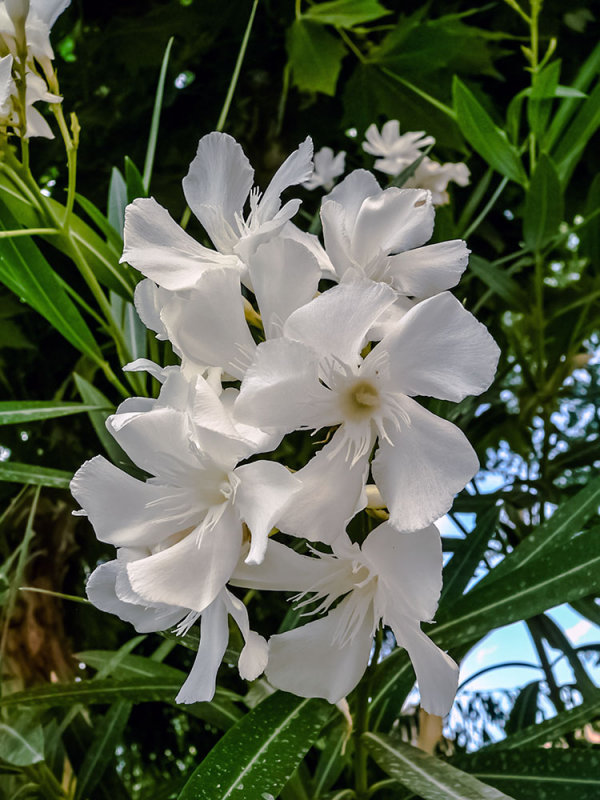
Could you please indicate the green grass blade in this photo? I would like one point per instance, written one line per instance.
(153, 137)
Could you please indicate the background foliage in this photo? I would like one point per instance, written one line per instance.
(102, 723)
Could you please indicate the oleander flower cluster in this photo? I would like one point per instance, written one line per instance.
(26, 72)
(276, 332)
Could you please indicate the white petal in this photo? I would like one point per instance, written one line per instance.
(145, 365)
(336, 323)
(351, 193)
(126, 512)
(216, 187)
(149, 300)
(265, 490)
(162, 251)
(337, 239)
(49, 10)
(308, 662)
(437, 674)
(312, 243)
(281, 390)
(440, 350)
(428, 270)
(158, 440)
(263, 441)
(393, 221)
(332, 493)
(192, 572)
(282, 569)
(214, 635)
(208, 326)
(285, 275)
(255, 653)
(409, 568)
(419, 474)
(297, 167)
(100, 590)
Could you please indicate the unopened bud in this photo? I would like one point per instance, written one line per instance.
(17, 10)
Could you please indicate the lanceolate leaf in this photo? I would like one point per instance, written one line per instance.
(25, 271)
(426, 775)
(538, 773)
(346, 13)
(484, 136)
(551, 729)
(107, 734)
(14, 472)
(570, 148)
(256, 757)
(461, 567)
(22, 742)
(544, 207)
(22, 411)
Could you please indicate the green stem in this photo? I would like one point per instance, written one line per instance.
(28, 232)
(351, 46)
(486, 210)
(449, 112)
(388, 783)
(236, 71)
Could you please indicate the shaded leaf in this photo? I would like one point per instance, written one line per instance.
(32, 475)
(259, 754)
(315, 57)
(544, 206)
(21, 411)
(22, 742)
(345, 13)
(425, 775)
(107, 734)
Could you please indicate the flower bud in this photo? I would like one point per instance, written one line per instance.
(17, 10)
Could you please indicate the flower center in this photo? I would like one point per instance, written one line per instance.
(361, 400)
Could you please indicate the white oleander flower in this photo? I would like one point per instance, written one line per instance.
(381, 233)
(436, 177)
(393, 579)
(328, 167)
(315, 377)
(110, 590)
(38, 17)
(217, 187)
(395, 152)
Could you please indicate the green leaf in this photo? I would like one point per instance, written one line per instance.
(484, 136)
(93, 396)
(331, 761)
(500, 282)
(107, 734)
(22, 742)
(539, 104)
(158, 99)
(25, 271)
(22, 411)
(29, 474)
(544, 205)
(533, 774)
(585, 123)
(220, 711)
(461, 567)
(315, 57)
(117, 200)
(346, 13)
(134, 181)
(551, 729)
(256, 757)
(426, 775)
(524, 710)
(112, 237)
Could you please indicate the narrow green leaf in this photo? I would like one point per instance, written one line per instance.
(22, 742)
(539, 104)
(461, 567)
(134, 181)
(102, 223)
(499, 281)
(158, 99)
(14, 472)
(107, 734)
(426, 775)
(484, 136)
(533, 774)
(544, 205)
(551, 729)
(570, 147)
(331, 761)
(315, 57)
(256, 757)
(117, 200)
(524, 710)
(25, 271)
(513, 116)
(346, 13)
(21, 411)
(93, 396)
